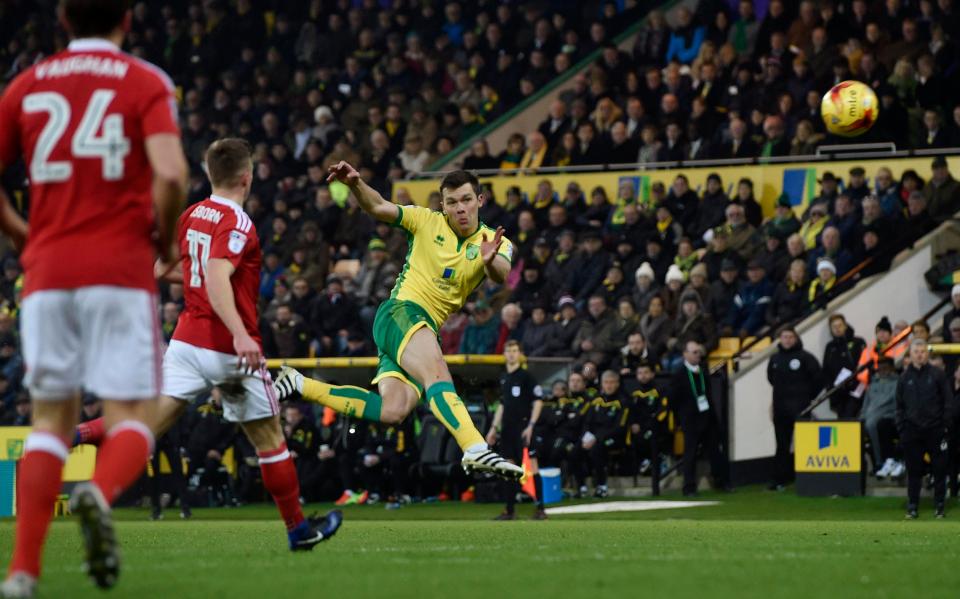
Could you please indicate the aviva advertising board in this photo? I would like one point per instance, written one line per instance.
(828, 457)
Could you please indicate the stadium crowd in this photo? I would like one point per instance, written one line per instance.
(613, 283)
(730, 81)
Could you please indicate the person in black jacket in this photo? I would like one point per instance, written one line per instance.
(842, 352)
(605, 428)
(924, 399)
(521, 400)
(796, 379)
(691, 400)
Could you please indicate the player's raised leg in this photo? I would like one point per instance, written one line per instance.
(423, 360)
(345, 399)
(280, 480)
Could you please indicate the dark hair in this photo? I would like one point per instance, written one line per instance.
(455, 179)
(226, 160)
(94, 18)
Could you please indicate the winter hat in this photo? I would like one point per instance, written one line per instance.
(826, 263)
(884, 325)
(728, 264)
(955, 291)
(645, 270)
(690, 296)
(674, 274)
(565, 301)
(699, 269)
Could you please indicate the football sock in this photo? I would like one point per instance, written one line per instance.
(447, 406)
(538, 485)
(280, 480)
(39, 476)
(346, 399)
(122, 457)
(90, 433)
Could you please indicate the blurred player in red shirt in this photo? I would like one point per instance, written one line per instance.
(98, 131)
(217, 340)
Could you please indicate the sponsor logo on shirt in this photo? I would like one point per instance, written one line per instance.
(236, 242)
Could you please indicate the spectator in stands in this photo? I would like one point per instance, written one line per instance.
(511, 326)
(290, 335)
(646, 287)
(537, 331)
(692, 324)
(374, 280)
(918, 222)
(170, 315)
(682, 202)
(712, 210)
(331, 315)
(842, 353)
(594, 340)
(776, 142)
(845, 221)
(560, 341)
(633, 354)
(743, 238)
(879, 418)
(789, 301)
(685, 39)
(888, 194)
(656, 326)
(942, 192)
(586, 270)
(672, 289)
(774, 256)
(480, 158)
(952, 314)
(740, 145)
(823, 282)
(831, 248)
(480, 336)
(748, 312)
(697, 416)
(796, 379)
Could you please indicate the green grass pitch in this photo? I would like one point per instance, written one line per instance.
(755, 544)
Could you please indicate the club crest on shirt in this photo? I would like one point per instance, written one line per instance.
(236, 242)
(473, 250)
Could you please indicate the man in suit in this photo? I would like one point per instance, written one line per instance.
(555, 125)
(740, 144)
(698, 417)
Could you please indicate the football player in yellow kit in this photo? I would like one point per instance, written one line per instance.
(449, 254)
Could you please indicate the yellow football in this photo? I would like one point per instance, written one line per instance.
(849, 109)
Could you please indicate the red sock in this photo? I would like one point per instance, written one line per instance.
(280, 480)
(39, 476)
(122, 457)
(90, 433)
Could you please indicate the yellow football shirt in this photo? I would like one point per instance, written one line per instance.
(441, 269)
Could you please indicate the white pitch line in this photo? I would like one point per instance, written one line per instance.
(626, 506)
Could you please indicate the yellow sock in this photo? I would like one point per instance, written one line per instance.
(447, 406)
(346, 399)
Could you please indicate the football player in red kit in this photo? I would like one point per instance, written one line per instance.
(97, 129)
(217, 341)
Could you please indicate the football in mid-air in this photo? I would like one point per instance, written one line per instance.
(849, 109)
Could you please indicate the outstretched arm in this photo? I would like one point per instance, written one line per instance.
(370, 201)
(495, 265)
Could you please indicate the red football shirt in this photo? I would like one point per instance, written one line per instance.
(80, 119)
(217, 228)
